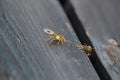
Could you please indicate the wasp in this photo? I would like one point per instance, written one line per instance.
(60, 39)
(88, 49)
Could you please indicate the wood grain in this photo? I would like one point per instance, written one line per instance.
(24, 55)
(100, 19)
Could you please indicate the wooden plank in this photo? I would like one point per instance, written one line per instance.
(100, 19)
(24, 55)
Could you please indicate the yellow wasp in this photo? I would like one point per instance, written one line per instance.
(60, 39)
(88, 49)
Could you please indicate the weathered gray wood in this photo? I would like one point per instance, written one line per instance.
(24, 55)
(100, 19)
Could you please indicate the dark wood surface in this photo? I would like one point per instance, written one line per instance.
(24, 55)
(100, 19)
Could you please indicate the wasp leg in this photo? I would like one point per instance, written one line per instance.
(79, 47)
(85, 44)
(59, 41)
(51, 39)
(48, 40)
(88, 54)
(64, 40)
